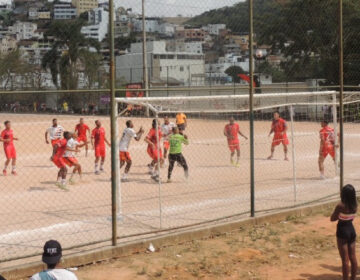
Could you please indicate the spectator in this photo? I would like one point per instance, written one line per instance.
(51, 256)
(2, 278)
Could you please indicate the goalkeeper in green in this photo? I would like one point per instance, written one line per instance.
(175, 154)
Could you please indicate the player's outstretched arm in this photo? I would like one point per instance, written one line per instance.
(241, 134)
(107, 142)
(46, 137)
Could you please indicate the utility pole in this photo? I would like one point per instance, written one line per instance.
(145, 66)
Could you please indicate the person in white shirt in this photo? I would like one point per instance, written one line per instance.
(70, 157)
(128, 134)
(166, 130)
(51, 257)
(55, 132)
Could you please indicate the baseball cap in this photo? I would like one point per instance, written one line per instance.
(52, 252)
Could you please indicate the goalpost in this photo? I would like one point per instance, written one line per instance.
(299, 108)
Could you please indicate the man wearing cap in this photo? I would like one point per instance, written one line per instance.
(51, 256)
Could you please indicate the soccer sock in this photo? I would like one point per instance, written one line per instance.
(63, 181)
(96, 166)
(13, 167)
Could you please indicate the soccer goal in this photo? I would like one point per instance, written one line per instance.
(217, 188)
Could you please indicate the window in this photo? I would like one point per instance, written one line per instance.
(181, 68)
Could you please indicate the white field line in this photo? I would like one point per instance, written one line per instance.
(278, 193)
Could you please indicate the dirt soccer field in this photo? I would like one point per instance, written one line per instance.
(33, 209)
(299, 248)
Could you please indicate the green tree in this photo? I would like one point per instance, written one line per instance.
(64, 58)
(123, 43)
(13, 66)
(234, 71)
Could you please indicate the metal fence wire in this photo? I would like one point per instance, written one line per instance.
(90, 69)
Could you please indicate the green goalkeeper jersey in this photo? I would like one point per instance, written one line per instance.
(176, 141)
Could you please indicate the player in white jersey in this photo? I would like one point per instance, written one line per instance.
(70, 157)
(55, 132)
(166, 130)
(128, 134)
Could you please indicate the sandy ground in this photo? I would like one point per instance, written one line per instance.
(33, 210)
(295, 249)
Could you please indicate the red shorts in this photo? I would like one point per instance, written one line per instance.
(234, 146)
(54, 142)
(125, 156)
(280, 138)
(70, 161)
(328, 150)
(10, 151)
(59, 162)
(82, 138)
(100, 151)
(166, 145)
(153, 153)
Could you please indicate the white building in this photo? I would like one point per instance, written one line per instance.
(98, 24)
(152, 25)
(33, 13)
(183, 67)
(25, 31)
(216, 71)
(6, 7)
(64, 10)
(181, 46)
(214, 29)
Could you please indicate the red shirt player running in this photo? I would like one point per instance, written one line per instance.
(7, 137)
(232, 131)
(154, 149)
(327, 145)
(98, 139)
(80, 129)
(279, 128)
(58, 159)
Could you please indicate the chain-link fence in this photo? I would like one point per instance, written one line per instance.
(58, 67)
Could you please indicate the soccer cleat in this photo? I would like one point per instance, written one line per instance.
(97, 172)
(270, 157)
(150, 167)
(124, 178)
(322, 177)
(155, 178)
(232, 162)
(61, 186)
(14, 172)
(286, 158)
(4, 172)
(169, 180)
(72, 181)
(102, 169)
(186, 174)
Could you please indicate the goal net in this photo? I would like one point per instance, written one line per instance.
(218, 186)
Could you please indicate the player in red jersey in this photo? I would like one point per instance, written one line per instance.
(279, 127)
(58, 159)
(154, 149)
(7, 137)
(81, 130)
(327, 145)
(98, 140)
(231, 131)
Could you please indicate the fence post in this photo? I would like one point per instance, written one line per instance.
(114, 162)
(158, 165)
(341, 83)
(251, 105)
(293, 151)
(334, 115)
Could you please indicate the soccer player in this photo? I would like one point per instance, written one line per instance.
(327, 145)
(279, 127)
(128, 134)
(55, 131)
(181, 122)
(7, 137)
(231, 132)
(81, 130)
(166, 130)
(154, 150)
(175, 155)
(69, 156)
(57, 158)
(98, 140)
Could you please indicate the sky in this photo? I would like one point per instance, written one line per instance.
(170, 8)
